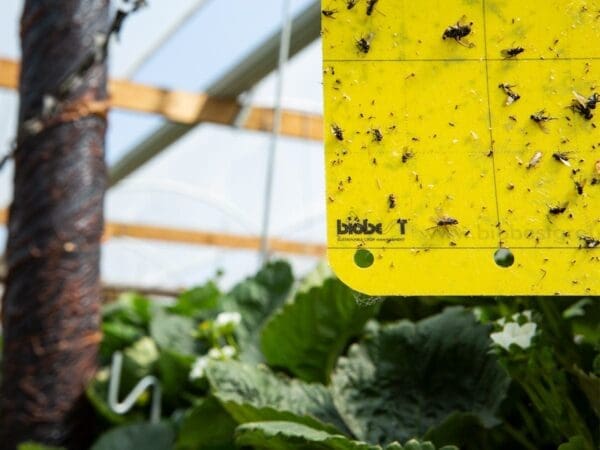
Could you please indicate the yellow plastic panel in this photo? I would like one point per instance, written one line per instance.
(431, 171)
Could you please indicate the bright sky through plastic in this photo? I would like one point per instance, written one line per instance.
(211, 180)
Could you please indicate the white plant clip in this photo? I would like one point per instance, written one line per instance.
(129, 401)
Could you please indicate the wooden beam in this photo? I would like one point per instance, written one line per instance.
(195, 237)
(224, 240)
(190, 108)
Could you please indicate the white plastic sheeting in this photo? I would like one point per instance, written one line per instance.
(213, 178)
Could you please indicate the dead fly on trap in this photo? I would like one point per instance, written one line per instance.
(584, 106)
(329, 13)
(579, 186)
(589, 242)
(351, 4)
(512, 52)
(459, 31)
(406, 155)
(558, 209)
(541, 119)
(535, 160)
(377, 135)
(364, 43)
(337, 132)
(371, 6)
(444, 222)
(511, 96)
(562, 157)
(391, 201)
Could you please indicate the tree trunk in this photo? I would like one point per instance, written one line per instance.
(51, 302)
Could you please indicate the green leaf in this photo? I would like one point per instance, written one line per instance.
(276, 276)
(207, 426)
(34, 446)
(136, 437)
(279, 435)
(413, 444)
(174, 369)
(307, 336)
(174, 333)
(253, 394)
(256, 299)
(459, 428)
(131, 308)
(116, 336)
(139, 360)
(575, 443)
(404, 379)
(584, 316)
(590, 385)
(201, 301)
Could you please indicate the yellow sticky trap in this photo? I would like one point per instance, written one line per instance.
(464, 165)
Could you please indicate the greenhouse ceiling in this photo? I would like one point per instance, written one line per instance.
(190, 131)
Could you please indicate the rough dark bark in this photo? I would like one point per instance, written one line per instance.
(52, 299)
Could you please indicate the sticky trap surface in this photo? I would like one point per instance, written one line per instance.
(432, 166)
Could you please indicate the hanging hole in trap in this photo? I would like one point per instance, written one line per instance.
(503, 257)
(363, 258)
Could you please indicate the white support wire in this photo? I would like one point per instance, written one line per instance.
(136, 392)
(284, 52)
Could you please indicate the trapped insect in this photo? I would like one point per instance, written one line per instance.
(351, 4)
(512, 52)
(584, 106)
(371, 6)
(406, 155)
(535, 160)
(562, 157)
(579, 185)
(444, 222)
(556, 210)
(459, 31)
(364, 43)
(589, 242)
(337, 132)
(511, 96)
(391, 201)
(329, 13)
(377, 135)
(541, 118)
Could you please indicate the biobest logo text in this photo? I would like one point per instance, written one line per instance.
(358, 227)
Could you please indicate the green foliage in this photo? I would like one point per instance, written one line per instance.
(137, 436)
(256, 299)
(404, 379)
(307, 335)
(174, 333)
(293, 436)
(253, 394)
(206, 425)
(34, 446)
(199, 302)
(575, 443)
(274, 364)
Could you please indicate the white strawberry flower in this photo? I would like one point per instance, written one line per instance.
(199, 367)
(226, 320)
(513, 333)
